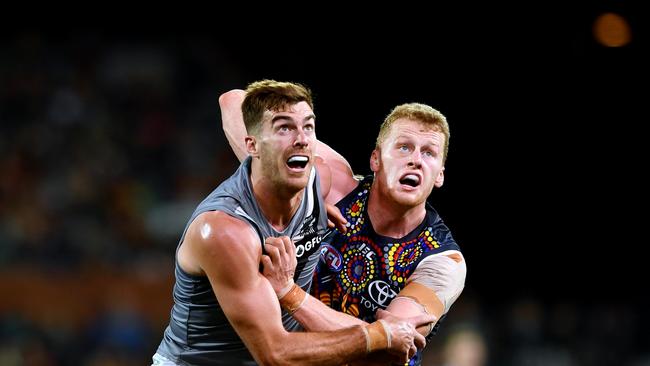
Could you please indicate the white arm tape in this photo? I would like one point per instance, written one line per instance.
(443, 275)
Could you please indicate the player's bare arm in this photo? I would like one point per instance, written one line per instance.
(230, 257)
(279, 267)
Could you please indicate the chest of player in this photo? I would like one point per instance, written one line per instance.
(307, 238)
(368, 271)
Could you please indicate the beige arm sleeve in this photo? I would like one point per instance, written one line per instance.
(445, 274)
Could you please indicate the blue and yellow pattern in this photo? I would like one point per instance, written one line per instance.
(362, 271)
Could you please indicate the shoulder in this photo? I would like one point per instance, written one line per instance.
(219, 236)
(359, 193)
(439, 232)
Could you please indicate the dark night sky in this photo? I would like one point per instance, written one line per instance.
(543, 181)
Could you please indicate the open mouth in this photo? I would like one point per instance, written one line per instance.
(410, 180)
(297, 162)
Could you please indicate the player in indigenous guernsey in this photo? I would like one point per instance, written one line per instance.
(362, 271)
(396, 254)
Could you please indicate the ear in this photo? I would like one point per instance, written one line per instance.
(440, 179)
(374, 160)
(251, 145)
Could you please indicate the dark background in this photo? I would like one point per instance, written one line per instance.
(110, 135)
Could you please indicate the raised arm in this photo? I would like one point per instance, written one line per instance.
(232, 121)
(228, 252)
(335, 170)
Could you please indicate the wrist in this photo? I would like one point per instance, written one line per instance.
(377, 336)
(283, 292)
(293, 299)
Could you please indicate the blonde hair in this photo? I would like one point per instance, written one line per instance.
(422, 113)
(271, 95)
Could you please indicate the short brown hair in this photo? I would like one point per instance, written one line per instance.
(271, 95)
(422, 113)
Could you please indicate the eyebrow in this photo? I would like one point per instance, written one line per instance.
(279, 117)
(401, 139)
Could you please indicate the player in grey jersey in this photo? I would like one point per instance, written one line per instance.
(224, 307)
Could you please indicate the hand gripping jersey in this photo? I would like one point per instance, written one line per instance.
(362, 271)
(199, 332)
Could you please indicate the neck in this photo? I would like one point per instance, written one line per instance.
(277, 203)
(391, 219)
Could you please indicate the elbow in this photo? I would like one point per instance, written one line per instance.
(274, 352)
(273, 358)
(235, 96)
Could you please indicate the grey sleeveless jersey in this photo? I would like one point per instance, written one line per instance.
(199, 332)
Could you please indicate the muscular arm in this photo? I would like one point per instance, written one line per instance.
(432, 288)
(279, 267)
(228, 252)
(313, 315)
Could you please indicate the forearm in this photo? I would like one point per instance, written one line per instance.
(340, 178)
(236, 138)
(391, 334)
(323, 348)
(232, 121)
(313, 315)
(271, 344)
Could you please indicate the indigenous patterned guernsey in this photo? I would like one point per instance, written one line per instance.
(362, 271)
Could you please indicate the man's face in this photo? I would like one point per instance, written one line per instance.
(285, 145)
(409, 163)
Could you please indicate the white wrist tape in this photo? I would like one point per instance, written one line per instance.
(285, 290)
(377, 336)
